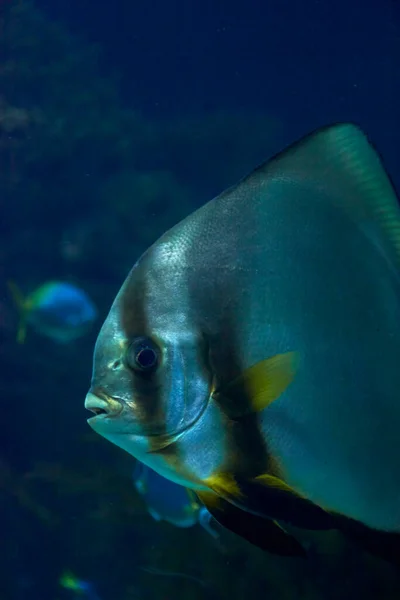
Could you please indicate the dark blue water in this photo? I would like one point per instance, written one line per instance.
(310, 63)
(101, 150)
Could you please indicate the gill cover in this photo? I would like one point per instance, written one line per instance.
(148, 357)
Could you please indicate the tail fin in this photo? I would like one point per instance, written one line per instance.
(22, 306)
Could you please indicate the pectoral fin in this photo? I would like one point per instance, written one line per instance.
(261, 384)
(270, 497)
(259, 531)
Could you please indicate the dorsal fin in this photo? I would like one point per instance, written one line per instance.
(340, 163)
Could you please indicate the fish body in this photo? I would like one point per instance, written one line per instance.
(80, 587)
(167, 501)
(295, 270)
(58, 310)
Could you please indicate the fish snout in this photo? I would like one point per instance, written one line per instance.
(102, 407)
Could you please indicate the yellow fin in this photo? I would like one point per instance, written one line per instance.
(223, 484)
(261, 384)
(23, 306)
(274, 482)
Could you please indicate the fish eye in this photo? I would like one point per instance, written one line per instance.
(143, 355)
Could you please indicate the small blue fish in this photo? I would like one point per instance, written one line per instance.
(82, 588)
(56, 309)
(168, 501)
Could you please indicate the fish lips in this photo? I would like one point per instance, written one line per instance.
(103, 407)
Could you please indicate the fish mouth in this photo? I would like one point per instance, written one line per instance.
(102, 408)
(112, 417)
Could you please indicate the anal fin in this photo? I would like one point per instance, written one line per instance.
(382, 544)
(261, 532)
(267, 496)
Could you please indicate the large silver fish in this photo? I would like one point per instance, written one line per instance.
(252, 353)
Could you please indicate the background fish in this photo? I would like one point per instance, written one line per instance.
(167, 501)
(252, 353)
(69, 581)
(58, 310)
